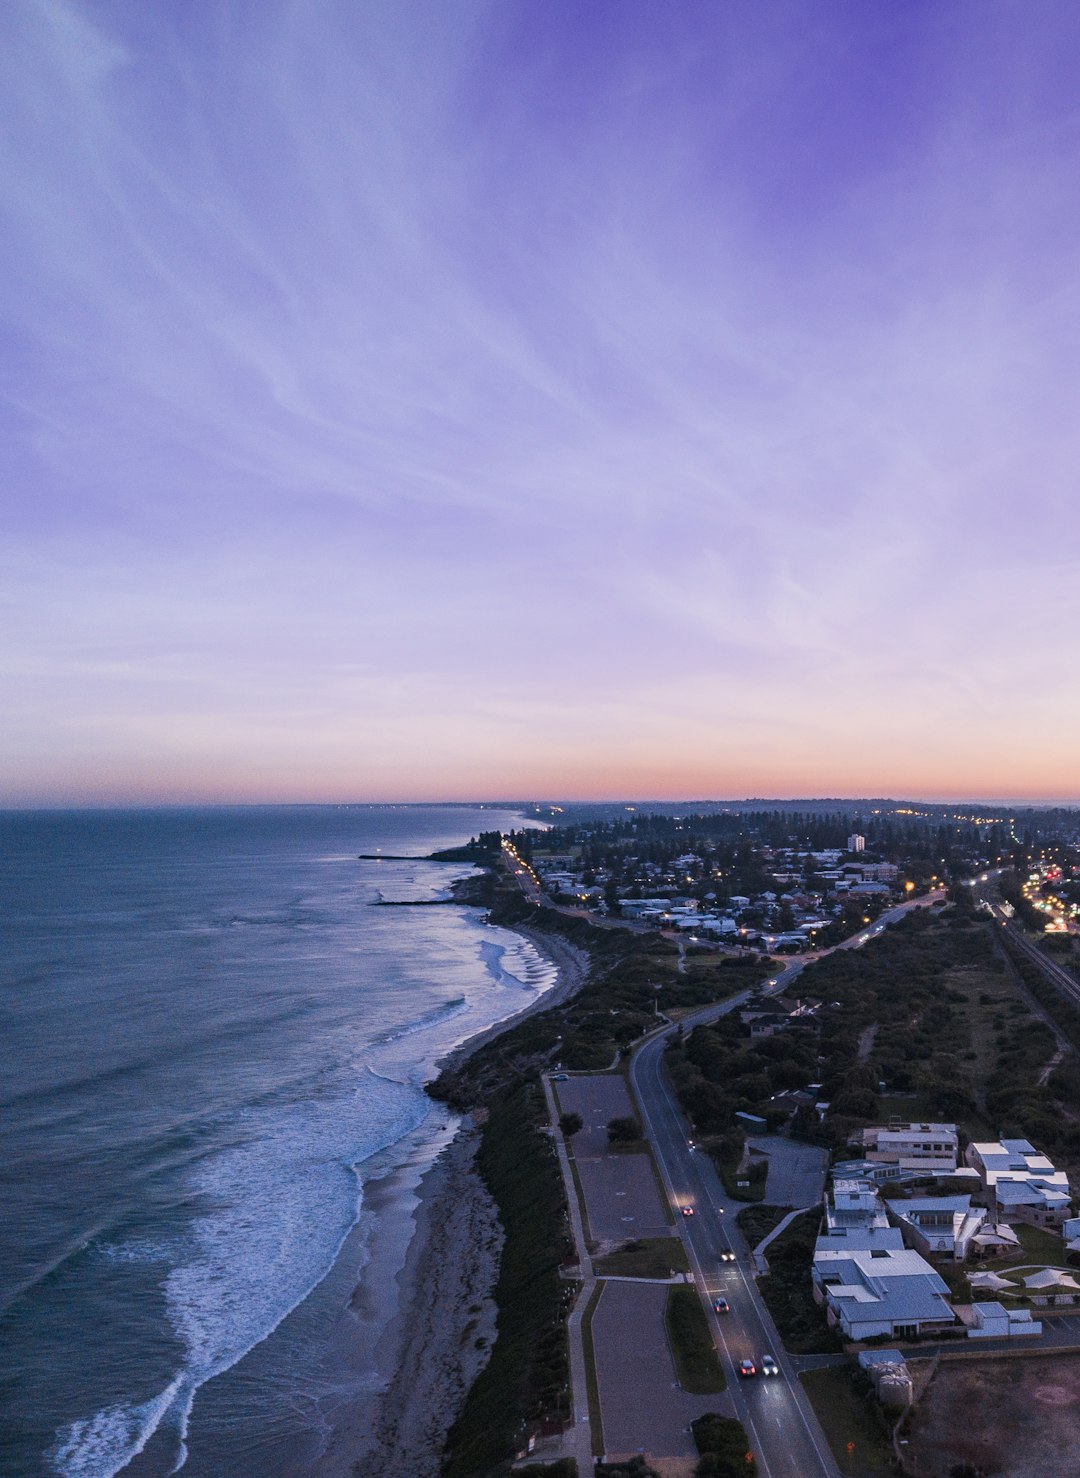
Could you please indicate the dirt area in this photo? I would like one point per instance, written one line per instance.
(1011, 1418)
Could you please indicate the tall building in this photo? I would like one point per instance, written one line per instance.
(856, 843)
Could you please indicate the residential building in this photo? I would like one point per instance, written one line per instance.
(856, 843)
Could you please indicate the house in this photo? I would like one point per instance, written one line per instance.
(882, 1291)
(945, 1225)
(922, 1148)
(1021, 1183)
(870, 1282)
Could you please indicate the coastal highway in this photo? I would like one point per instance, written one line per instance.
(784, 1433)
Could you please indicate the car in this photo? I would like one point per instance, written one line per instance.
(747, 1368)
(721, 1306)
(560, 1077)
(687, 1211)
(726, 1255)
(769, 1366)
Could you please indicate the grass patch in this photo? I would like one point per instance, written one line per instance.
(582, 1203)
(592, 1389)
(692, 1348)
(846, 1416)
(1040, 1246)
(650, 1257)
(756, 1222)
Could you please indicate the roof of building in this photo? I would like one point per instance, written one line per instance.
(958, 1205)
(900, 1286)
(842, 1241)
(1023, 1192)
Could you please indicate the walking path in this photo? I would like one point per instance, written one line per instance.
(577, 1442)
(760, 1262)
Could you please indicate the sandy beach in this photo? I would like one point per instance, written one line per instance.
(441, 1335)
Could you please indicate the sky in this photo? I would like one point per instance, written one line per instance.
(428, 399)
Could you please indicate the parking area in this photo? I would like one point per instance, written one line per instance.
(643, 1408)
(796, 1171)
(622, 1196)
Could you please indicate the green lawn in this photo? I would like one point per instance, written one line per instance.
(651, 1257)
(692, 1348)
(1040, 1246)
(846, 1416)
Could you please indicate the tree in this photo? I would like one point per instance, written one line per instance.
(623, 1130)
(570, 1124)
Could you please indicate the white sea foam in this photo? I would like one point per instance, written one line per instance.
(518, 964)
(103, 1444)
(445, 1012)
(281, 1203)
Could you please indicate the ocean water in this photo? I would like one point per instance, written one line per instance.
(213, 1036)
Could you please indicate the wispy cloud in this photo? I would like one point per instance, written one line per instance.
(620, 368)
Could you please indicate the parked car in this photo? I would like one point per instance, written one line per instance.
(560, 1077)
(769, 1366)
(747, 1367)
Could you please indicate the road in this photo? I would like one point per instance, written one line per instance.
(1060, 978)
(785, 1435)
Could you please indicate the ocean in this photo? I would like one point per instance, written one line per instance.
(213, 1037)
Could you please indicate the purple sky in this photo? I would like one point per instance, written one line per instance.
(597, 398)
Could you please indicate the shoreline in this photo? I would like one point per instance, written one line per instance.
(440, 1337)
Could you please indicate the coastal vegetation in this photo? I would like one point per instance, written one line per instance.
(788, 1291)
(527, 1375)
(692, 1349)
(924, 1021)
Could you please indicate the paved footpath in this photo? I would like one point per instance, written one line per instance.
(577, 1442)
